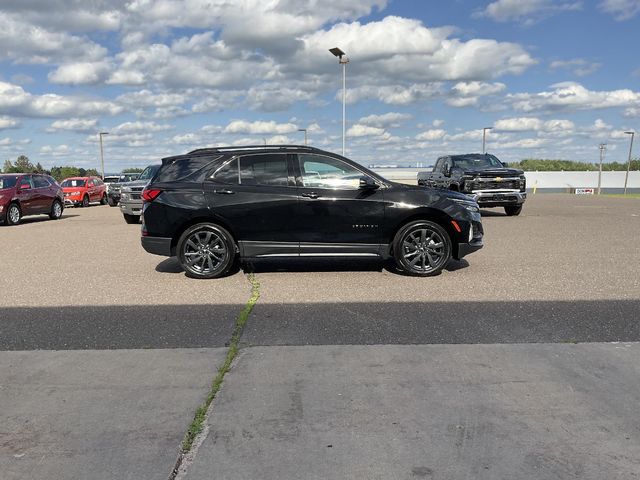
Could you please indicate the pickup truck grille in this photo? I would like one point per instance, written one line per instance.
(496, 185)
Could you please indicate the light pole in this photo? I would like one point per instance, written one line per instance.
(343, 60)
(484, 138)
(305, 135)
(603, 149)
(626, 177)
(101, 134)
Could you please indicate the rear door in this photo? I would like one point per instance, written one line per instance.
(255, 195)
(334, 216)
(43, 196)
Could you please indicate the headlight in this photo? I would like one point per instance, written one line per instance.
(523, 183)
(124, 196)
(470, 205)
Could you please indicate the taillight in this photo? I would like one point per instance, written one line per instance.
(150, 194)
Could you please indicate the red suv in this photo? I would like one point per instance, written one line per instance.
(80, 191)
(24, 194)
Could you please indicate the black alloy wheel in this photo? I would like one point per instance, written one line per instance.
(103, 200)
(85, 201)
(422, 248)
(14, 214)
(206, 251)
(56, 210)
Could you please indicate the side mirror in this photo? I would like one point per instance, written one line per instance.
(505, 164)
(367, 183)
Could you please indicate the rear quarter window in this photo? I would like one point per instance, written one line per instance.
(183, 168)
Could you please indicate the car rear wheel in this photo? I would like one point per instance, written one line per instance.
(103, 200)
(422, 248)
(131, 219)
(14, 214)
(206, 250)
(85, 201)
(56, 210)
(512, 210)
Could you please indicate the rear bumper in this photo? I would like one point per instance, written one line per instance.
(498, 198)
(157, 245)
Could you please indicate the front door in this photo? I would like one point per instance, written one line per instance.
(257, 196)
(334, 215)
(27, 196)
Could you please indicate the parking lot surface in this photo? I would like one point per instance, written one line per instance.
(563, 272)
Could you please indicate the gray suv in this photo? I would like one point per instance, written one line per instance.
(131, 195)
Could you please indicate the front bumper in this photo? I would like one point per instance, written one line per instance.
(498, 198)
(131, 208)
(157, 245)
(465, 249)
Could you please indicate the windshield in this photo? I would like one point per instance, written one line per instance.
(7, 182)
(110, 179)
(73, 183)
(476, 161)
(149, 172)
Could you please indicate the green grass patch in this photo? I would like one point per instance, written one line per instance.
(198, 420)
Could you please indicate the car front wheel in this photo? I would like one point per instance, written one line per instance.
(422, 248)
(85, 201)
(14, 214)
(206, 250)
(131, 219)
(512, 211)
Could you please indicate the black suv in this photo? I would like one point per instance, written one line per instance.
(210, 205)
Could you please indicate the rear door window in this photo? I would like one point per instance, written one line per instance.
(26, 181)
(228, 173)
(265, 169)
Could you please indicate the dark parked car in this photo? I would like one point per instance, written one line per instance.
(29, 194)
(114, 188)
(481, 176)
(212, 205)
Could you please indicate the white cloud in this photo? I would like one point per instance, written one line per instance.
(621, 9)
(145, 127)
(526, 11)
(392, 94)
(431, 135)
(359, 130)
(23, 42)
(55, 151)
(14, 100)
(259, 127)
(572, 97)
(84, 73)
(8, 122)
(464, 94)
(385, 120)
(526, 124)
(81, 125)
(632, 112)
(578, 66)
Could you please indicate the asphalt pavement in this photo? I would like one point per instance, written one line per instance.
(81, 296)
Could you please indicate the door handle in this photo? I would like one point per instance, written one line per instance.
(311, 195)
(224, 192)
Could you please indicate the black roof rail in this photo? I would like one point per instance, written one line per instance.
(254, 147)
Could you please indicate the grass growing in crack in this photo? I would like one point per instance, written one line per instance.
(198, 420)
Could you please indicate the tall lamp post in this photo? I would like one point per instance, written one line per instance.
(101, 134)
(343, 60)
(626, 177)
(305, 135)
(603, 149)
(484, 138)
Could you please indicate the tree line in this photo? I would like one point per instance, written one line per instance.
(24, 165)
(543, 165)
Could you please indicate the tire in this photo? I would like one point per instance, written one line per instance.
(112, 203)
(56, 210)
(85, 201)
(206, 251)
(513, 210)
(422, 248)
(103, 200)
(131, 219)
(14, 214)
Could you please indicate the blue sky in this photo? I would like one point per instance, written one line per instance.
(553, 78)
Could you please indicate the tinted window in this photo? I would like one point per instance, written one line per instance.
(182, 168)
(7, 182)
(326, 172)
(438, 165)
(73, 183)
(149, 172)
(477, 161)
(26, 181)
(228, 173)
(40, 182)
(270, 170)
